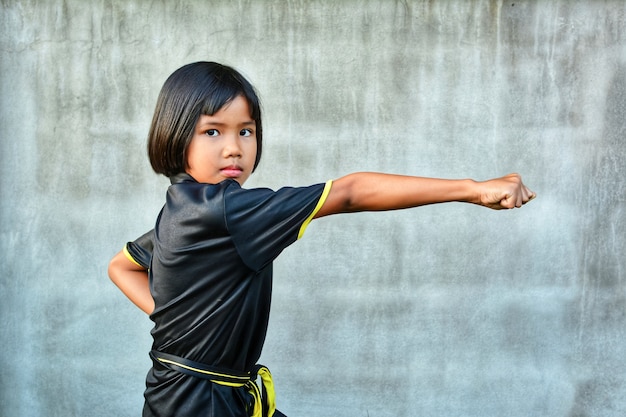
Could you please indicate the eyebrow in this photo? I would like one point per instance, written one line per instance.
(247, 123)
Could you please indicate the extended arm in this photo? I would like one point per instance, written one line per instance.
(132, 280)
(366, 191)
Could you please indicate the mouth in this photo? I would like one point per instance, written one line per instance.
(232, 171)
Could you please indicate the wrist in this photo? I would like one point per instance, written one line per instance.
(472, 191)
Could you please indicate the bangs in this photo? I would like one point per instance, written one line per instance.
(223, 88)
(215, 100)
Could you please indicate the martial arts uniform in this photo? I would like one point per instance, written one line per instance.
(210, 268)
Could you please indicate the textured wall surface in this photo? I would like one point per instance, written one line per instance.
(449, 310)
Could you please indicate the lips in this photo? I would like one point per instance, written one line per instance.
(232, 171)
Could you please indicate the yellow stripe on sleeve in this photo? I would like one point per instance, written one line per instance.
(130, 257)
(319, 205)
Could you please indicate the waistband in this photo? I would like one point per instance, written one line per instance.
(264, 396)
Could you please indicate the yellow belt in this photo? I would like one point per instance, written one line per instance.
(264, 397)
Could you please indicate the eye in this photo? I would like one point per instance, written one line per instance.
(211, 132)
(245, 132)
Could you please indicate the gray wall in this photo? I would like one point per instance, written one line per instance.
(449, 310)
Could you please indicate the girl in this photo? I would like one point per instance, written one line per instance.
(204, 273)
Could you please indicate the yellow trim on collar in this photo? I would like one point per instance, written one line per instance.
(319, 205)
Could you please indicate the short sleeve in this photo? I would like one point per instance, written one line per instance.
(140, 250)
(262, 222)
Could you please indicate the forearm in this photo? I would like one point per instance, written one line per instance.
(132, 281)
(376, 192)
(368, 191)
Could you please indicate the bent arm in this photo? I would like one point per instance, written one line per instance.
(367, 191)
(132, 280)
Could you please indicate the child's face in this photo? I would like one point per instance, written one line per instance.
(223, 145)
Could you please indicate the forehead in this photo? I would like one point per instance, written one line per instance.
(235, 111)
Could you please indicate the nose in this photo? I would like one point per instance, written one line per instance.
(232, 147)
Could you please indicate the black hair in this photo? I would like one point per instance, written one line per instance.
(200, 88)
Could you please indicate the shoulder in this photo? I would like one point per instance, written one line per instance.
(284, 202)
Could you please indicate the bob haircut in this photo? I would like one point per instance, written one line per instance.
(200, 88)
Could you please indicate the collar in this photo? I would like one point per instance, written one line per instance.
(184, 177)
(181, 177)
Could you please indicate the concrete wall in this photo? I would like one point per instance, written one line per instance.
(450, 310)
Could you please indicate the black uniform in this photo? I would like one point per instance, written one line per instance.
(210, 267)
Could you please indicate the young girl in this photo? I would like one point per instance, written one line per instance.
(204, 273)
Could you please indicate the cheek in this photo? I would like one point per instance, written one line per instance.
(191, 154)
(196, 153)
(252, 150)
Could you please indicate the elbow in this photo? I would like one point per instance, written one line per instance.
(346, 194)
(113, 268)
